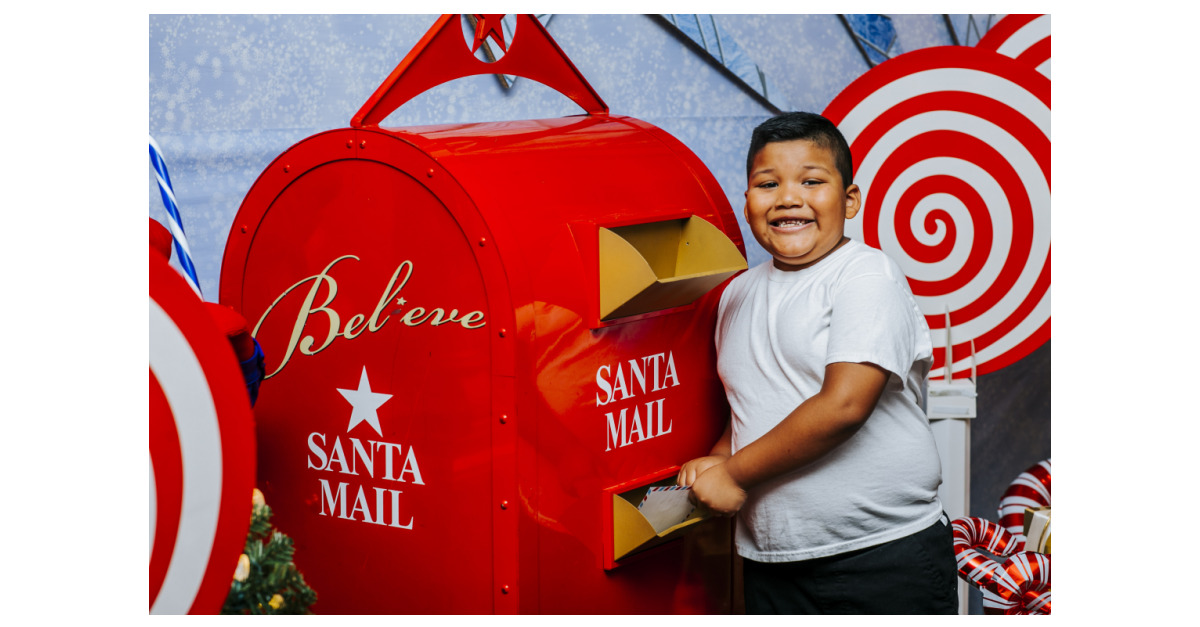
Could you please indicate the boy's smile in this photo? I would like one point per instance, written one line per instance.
(796, 204)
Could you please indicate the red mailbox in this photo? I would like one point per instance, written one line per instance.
(484, 343)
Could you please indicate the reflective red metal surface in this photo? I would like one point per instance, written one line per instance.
(442, 413)
(446, 264)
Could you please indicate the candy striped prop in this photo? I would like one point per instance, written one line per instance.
(952, 148)
(1025, 38)
(1021, 585)
(174, 223)
(973, 534)
(1030, 489)
(202, 452)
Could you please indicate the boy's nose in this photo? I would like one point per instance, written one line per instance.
(789, 196)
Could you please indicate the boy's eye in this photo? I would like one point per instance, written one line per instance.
(811, 182)
(768, 184)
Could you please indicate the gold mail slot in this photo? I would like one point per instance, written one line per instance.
(659, 265)
(631, 532)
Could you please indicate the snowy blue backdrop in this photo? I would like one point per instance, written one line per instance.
(228, 93)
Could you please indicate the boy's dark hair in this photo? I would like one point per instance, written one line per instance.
(802, 125)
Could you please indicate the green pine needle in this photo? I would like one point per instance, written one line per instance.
(271, 572)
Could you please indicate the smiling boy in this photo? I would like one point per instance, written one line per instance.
(828, 460)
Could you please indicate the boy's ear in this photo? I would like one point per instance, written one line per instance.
(746, 206)
(853, 201)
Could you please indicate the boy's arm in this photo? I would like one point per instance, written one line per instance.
(719, 453)
(848, 395)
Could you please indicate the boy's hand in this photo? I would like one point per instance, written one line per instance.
(717, 491)
(688, 473)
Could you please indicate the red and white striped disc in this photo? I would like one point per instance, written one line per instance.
(201, 452)
(951, 146)
(1024, 37)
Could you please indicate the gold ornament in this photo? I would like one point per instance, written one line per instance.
(243, 568)
(276, 602)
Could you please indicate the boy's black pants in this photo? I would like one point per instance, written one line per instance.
(916, 574)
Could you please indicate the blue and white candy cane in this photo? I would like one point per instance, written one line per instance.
(175, 224)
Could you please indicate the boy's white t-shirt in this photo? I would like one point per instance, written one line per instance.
(776, 332)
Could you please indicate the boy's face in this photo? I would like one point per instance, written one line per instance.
(796, 205)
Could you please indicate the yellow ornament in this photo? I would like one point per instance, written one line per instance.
(243, 568)
(276, 602)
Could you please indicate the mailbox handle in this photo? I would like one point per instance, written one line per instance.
(442, 56)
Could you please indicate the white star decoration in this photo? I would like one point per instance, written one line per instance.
(365, 402)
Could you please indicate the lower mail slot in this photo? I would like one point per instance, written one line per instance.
(638, 521)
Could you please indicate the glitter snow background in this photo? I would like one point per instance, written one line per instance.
(228, 93)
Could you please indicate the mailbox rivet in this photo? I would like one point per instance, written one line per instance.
(504, 590)
(483, 241)
(503, 332)
(349, 143)
(244, 229)
(503, 504)
(362, 144)
(503, 419)
(429, 173)
(287, 168)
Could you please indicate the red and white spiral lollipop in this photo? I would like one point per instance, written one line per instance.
(951, 146)
(1030, 489)
(1024, 37)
